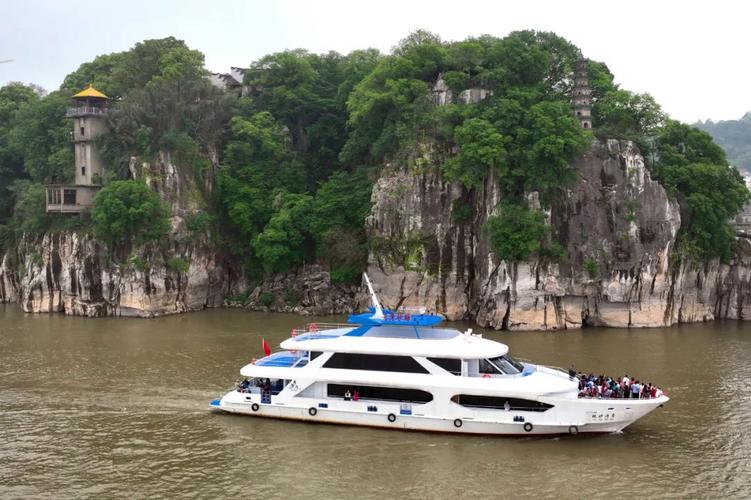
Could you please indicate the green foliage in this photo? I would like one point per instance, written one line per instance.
(694, 169)
(735, 138)
(126, 212)
(481, 149)
(407, 251)
(139, 263)
(285, 240)
(242, 298)
(680, 144)
(41, 136)
(14, 97)
(462, 211)
(299, 153)
(199, 223)
(711, 195)
(592, 267)
(517, 233)
(266, 299)
(632, 210)
(178, 264)
(337, 223)
(29, 214)
(257, 165)
(307, 94)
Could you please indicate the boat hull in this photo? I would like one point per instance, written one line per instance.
(584, 416)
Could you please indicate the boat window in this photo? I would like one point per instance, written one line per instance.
(374, 362)
(370, 392)
(506, 364)
(453, 366)
(499, 403)
(486, 366)
(314, 354)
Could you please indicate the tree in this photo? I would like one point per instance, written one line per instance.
(13, 97)
(285, 241)
(735, 138)
(42, 136)
(256, 163)
(711, 195)
(516, 232)
(128, 212)
(481, 149)
(694, 169)
(338, 223)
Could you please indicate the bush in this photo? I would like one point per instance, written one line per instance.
(128, 212)
(139, 263)
(593, 269)
(198, 223)
(517, 232)
(266, 299)
(178, 264)
(291, 297)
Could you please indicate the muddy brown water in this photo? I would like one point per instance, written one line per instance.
(114, 407)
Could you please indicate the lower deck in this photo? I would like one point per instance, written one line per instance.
(432, 409)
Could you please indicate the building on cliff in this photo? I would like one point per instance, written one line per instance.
(88, 111)
(232, 81)
(442, 95)
(582, 98)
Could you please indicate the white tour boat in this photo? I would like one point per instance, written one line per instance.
(400, 371)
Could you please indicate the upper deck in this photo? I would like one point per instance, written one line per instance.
(390, 339)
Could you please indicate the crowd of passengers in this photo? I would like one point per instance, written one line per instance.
(265, 385)
(602, 386)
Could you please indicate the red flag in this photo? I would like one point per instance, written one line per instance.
(266, 348)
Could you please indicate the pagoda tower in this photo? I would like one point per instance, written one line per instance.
(88, 111)
(582, 98)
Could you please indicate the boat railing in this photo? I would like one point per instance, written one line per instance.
(412, 309)
(313, 328)
(553, 369)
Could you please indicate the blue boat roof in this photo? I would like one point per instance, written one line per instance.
(392, 318)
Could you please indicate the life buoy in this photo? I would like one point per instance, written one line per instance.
(458, 422)
(573, 430)
(312, 411)
(392, 418)
(528, 427)
(487, 375)
(255, 407)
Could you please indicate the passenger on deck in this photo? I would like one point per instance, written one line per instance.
(571, 373)
(355, 395)
(602, 386)
(347, 395)
(635, 389)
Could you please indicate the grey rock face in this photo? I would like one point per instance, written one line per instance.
(73, 274)
(307, 290)
(618, 228)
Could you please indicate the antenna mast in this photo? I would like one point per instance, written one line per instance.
(374, 299)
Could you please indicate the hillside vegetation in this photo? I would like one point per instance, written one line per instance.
(288, 170)
(735, 138)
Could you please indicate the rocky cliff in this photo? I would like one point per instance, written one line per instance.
(72, 273)
(618, 228)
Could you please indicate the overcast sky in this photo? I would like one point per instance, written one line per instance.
(693, 57)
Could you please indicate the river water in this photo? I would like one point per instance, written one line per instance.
(112, 408)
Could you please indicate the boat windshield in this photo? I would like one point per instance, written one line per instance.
(507, 365)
